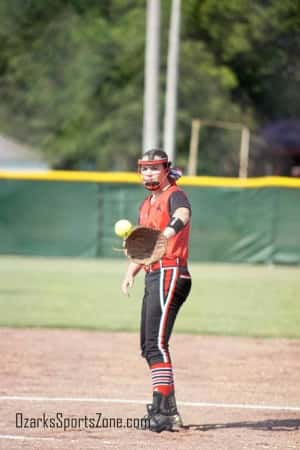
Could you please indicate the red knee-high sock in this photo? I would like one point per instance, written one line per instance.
(162, 378)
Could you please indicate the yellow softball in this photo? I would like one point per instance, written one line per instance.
(123, 228)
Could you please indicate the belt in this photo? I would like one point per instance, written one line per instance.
(166, 262)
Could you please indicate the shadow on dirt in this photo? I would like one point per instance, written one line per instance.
(266, 425)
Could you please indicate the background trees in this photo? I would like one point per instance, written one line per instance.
(71, 75)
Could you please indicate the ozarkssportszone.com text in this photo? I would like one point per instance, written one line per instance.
(61, 421)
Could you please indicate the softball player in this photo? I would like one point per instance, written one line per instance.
(167, 281)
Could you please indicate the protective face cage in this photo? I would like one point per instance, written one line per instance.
(153, 185)
(153, 162)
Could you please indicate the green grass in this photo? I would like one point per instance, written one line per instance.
(83, 293)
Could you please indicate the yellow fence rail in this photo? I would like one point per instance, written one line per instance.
(132, 177)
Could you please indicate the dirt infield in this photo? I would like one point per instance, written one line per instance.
(233, 393)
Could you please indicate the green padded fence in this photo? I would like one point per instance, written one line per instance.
(72, 214)
(48, 218)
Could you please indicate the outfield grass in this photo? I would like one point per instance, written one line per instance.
(83, 293)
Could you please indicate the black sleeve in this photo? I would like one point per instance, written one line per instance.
(178, 200)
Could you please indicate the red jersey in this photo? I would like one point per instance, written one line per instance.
(158, 214)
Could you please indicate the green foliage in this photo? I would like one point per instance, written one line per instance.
(74, 88)
(72, 74)
(260, 42)
(204, 92)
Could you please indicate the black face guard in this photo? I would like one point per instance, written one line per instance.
(152, 185)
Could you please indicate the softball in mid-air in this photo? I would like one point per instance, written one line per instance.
(123, 228)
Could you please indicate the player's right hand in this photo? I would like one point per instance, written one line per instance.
(127, 284)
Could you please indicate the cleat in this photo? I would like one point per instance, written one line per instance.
(160, 422)
(177, 420)
(162, 413)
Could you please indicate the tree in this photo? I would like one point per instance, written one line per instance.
(260, 42)
(71, 75)
(74, 88)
